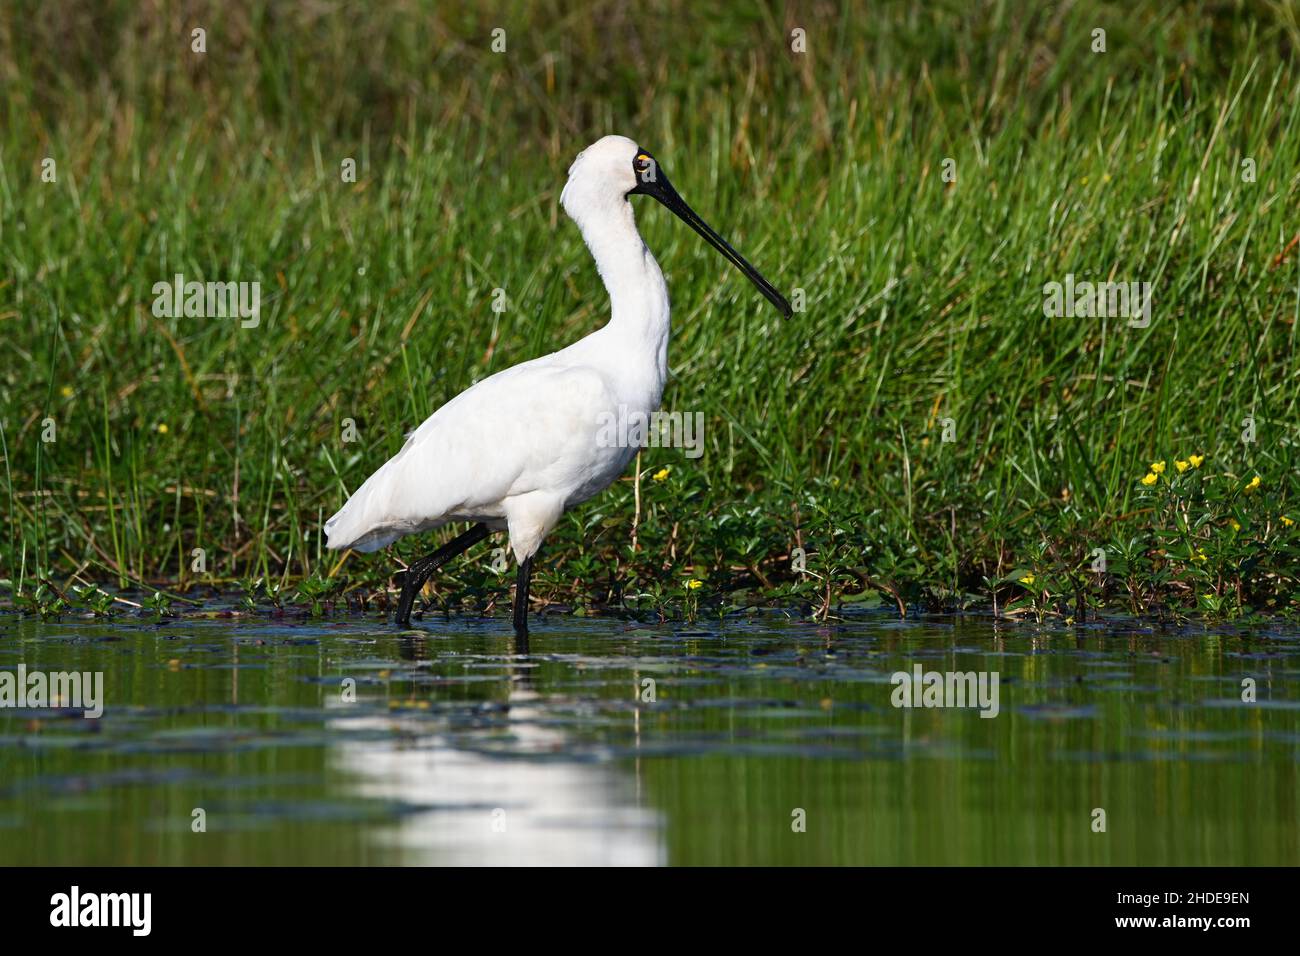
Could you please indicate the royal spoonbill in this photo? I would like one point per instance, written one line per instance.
(519, 448)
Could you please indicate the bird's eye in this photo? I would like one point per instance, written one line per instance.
(642, 162)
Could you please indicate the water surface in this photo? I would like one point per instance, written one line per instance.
(768, 741)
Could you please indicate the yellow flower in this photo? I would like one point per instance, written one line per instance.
(1287, 521)
(1199, 555)
(694, 585)
(661, 474)
(1149, 480)
(1158, 467)
(66, 391)
(162, 428)
(1253, 484)
(1196, 460)
(1235, 525)
(1180, 465)
(1028, 579)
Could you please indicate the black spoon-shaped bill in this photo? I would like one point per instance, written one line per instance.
(652, 182)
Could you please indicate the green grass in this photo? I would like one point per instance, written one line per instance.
(924, 298)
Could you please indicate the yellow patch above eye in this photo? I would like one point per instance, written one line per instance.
(643, 156)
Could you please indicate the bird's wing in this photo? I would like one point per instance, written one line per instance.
(527, 427)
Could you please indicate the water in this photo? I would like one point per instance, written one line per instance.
(461, 748)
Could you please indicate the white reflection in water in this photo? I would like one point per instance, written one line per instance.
(556, 812)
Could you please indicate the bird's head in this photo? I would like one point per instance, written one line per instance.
(610, 170)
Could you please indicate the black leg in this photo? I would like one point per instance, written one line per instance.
(413, 577)
(521, 597)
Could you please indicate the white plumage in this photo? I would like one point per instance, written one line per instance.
(518, 449)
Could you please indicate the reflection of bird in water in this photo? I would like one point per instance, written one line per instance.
(496, 803)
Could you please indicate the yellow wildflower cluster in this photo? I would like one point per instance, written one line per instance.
(1180, 464)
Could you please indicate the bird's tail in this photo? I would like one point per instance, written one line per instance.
(358, 524)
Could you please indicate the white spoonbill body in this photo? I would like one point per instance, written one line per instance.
(518, 449)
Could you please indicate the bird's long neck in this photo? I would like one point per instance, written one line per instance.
(638, 295)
